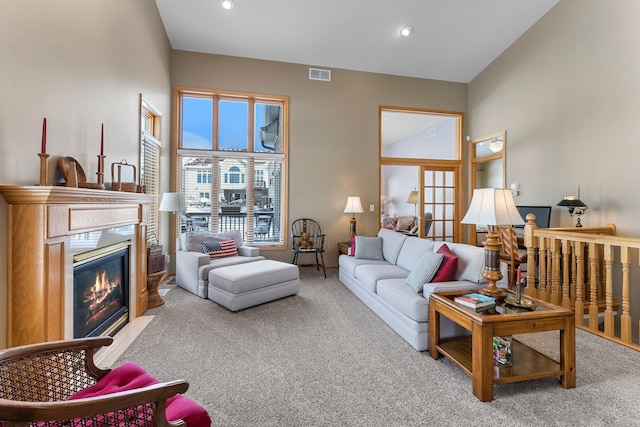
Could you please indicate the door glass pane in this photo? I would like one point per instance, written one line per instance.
(197, 123)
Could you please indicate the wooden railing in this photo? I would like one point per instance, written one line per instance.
(588, 270)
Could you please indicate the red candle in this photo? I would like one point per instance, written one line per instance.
(519, 278)
(102, 141)
(43, 148)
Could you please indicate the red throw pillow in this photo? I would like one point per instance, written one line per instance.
(449, 266)
(352, 248)
(130, 376)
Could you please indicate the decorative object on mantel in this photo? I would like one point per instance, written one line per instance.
(101, 158)
(575, 206)
(71, 171)
(43, 154)
(131, 187)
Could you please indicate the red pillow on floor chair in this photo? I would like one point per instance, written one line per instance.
(130, 376)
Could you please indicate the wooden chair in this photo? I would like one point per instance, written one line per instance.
(306, 225)
(510, 253)
(36, 381)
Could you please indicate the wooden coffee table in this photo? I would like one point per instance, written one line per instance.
(474, 353)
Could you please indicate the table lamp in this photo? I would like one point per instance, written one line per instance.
(575, 206)
(413, 199)
(492, 207)
(353, 207)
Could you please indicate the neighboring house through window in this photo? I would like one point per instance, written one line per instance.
(223, 138)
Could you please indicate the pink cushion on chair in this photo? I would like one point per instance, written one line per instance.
(449, 266)
(130, 376)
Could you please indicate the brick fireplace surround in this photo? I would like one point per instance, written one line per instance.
(40, 220)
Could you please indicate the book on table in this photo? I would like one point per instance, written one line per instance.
(475, 301)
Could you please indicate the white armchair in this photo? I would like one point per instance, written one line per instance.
(193, 264)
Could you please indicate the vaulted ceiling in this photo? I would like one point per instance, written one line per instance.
(453, 40)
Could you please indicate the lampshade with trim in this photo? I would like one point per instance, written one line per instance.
(492, 206)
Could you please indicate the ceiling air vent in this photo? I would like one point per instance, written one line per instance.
(318, 74)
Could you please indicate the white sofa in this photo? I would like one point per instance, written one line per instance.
(193, 265)
(380, 281)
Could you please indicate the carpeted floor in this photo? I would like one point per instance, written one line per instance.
(322, 358)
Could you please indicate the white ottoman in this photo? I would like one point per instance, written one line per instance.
(240, 286)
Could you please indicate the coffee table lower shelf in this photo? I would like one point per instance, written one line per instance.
(528, 364)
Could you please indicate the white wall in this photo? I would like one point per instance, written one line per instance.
(568, 94)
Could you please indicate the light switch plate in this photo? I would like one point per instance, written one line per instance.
(372, 208)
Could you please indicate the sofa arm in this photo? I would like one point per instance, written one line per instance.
(188, 264)
(248, 251)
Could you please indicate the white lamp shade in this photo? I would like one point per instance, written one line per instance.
(492, 206)
(353, 205)
(172, 202)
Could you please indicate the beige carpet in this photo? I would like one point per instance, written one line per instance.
(322, 358)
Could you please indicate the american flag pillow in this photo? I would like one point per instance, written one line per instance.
(220, 249)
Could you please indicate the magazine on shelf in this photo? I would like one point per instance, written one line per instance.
(475, 301)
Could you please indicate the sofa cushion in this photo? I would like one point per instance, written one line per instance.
(193, 241)
(370, 274)
(470, 262)
(412, 250)
(203, 271)
(401, 297)
(348, 263)
(221, 249)
(449, 266)
(424, 271)
(368, 248)
(391, 244)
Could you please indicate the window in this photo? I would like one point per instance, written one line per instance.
(150, 150)
(233, 146)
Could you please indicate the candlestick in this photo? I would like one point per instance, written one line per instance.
(43, 148)
(43, 168)
(102, 140)
(100, 172)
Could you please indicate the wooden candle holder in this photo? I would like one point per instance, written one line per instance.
(43, 168)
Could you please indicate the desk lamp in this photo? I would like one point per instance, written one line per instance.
(575, 206)
(492, 207)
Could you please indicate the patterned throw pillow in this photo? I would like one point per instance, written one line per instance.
(220, 249)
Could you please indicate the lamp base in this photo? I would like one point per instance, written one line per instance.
(494, 292)
(492, 266)
(352, 226)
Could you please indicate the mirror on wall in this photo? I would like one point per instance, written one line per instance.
(487, 166)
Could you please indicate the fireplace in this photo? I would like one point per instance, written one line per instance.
(101, 290)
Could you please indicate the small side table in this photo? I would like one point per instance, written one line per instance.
(153, 281)
(343, 248)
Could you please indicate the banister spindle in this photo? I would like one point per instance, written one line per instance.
(593, 287)
(566, 283)
(579, 304)
(609, 329)
(625, 319)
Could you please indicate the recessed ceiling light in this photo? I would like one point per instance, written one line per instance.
(406, 31)
(227, 4)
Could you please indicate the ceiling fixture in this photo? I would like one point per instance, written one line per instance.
(227, 4)
(406, 31)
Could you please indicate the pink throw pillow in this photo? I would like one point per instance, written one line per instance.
(130, 376)
(449, 266)
(352, 248)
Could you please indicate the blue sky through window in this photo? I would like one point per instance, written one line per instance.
(197, 123)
